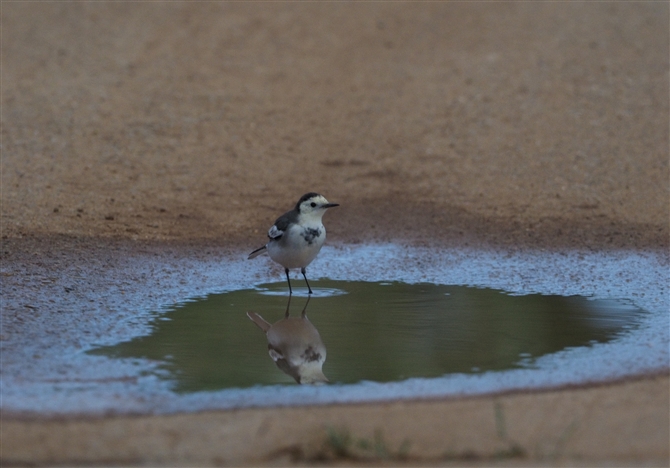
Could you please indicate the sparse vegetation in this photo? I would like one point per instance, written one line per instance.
(513, 450)
(341, 444)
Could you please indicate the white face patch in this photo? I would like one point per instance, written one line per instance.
(314, 204)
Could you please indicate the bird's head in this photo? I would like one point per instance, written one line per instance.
(312, 373)
(313, 204)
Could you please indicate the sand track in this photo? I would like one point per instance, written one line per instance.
(183, 125)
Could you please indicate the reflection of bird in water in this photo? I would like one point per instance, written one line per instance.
(294, 344)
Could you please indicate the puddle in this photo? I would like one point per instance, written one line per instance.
(372, 331)
(85, 341)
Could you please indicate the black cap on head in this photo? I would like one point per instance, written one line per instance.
(305, 197)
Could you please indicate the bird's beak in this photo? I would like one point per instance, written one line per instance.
(330, 205)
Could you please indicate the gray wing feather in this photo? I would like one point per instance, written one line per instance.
(281, 224)
(274, 233)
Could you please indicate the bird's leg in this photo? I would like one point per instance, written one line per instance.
(290, 291)
(304, 309)
(288, 306)
(302, 270)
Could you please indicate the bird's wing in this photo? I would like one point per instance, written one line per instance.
(275, 233)
(284, 365)
(281, 224)
(276, 354)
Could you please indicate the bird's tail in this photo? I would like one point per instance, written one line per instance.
(259, 321)
(257, 252)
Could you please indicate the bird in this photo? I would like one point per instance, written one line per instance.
(296, 347)
(297, 236)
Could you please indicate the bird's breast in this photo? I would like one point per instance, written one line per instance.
(312, 235)
(307, 237)
(298, 246)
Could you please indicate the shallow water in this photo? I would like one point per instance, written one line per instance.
(372, 331)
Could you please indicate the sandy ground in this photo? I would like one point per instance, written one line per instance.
(517, 125)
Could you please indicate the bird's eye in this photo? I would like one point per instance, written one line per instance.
(312, 204)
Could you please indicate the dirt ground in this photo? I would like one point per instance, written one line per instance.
(514, 125)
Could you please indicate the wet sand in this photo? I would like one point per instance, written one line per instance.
(168, 126)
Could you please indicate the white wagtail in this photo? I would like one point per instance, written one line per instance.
(297, 236)
(294, 344)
